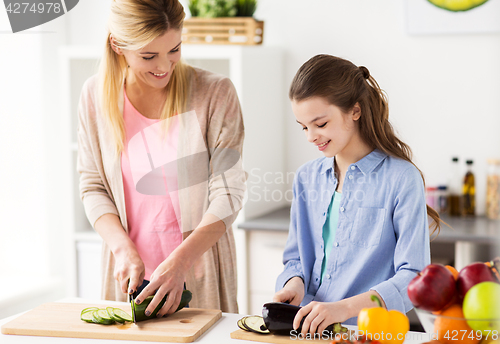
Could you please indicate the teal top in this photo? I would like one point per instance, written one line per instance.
(329, 229)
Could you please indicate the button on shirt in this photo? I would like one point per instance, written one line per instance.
(382, 236)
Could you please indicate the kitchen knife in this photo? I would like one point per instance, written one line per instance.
(132, 304)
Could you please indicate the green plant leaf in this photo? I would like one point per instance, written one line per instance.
(217, 8)
(245, 8)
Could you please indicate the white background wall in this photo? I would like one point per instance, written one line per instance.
(444, 93)
(443, 89)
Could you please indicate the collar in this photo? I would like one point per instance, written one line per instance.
(365, 164)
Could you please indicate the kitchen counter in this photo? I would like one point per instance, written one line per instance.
(219, 333)
(479, 230)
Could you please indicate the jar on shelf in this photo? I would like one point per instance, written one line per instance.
(430, 196)
(493, 189)
(442, 199)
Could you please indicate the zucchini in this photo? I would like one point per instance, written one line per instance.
(255, 324)
(278, 318)
(112, 315)
(88, 309)
(138, 310)
(102, 317)
(120, 314)
(106, 316)
(87, 316)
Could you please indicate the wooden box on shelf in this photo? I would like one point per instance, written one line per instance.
(231, 30)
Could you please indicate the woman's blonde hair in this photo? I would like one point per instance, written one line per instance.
(344, 84)
(134, 24)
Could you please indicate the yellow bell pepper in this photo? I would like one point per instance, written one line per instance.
(387, 327)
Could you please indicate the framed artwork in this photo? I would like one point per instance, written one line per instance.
(423, 17)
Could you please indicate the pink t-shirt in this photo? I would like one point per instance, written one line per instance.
(149, 171)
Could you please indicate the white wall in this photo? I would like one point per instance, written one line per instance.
(443, 89)
(28, 121)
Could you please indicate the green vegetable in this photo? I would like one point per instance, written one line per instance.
(140, 309)
(112, 315)
(102, 317)
(87, 316)
(88, 309)
(106, 316)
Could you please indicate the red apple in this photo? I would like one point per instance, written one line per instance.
(433, 288)
(471, 275)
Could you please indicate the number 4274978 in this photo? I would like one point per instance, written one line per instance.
(460, 335)
(25, 7)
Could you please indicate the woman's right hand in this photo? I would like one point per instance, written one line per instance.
(129, 269)
(292, 292)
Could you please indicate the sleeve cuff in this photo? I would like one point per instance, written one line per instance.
(95, 211)
(290, 272)
(392, 297)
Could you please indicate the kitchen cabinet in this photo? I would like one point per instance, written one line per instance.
(257, 74)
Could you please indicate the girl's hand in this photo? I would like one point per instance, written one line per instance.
(129, 269)
(319, 315)
(167, 279)
(292, 292)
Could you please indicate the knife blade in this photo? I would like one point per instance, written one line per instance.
(132, 304)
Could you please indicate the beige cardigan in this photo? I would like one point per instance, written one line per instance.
(210, 177)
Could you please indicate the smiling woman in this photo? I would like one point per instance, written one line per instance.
(159, 154)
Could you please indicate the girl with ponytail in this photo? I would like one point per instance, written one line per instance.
(159, 157)
(359, 221)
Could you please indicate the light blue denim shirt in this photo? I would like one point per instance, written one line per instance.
(382, 237)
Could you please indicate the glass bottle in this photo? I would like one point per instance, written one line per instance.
(431, 196)
(455, 189)
(493, 189)
(442, 199)
(469, 192)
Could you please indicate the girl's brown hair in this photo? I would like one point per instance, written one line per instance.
(133, 25)
(344, 84)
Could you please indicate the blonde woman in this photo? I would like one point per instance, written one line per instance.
(159, 159)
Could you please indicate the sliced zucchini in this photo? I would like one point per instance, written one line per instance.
(102, 317)
(112, 315)
(255, 324)
(88, 309)
(122, 315)
(87, 316)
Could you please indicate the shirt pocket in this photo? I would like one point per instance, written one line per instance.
(367, 227)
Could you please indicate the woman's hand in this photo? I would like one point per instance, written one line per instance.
(292, 292)
(319, 315)
(129, 269)
(167, 279)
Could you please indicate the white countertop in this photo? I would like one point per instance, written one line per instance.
(219, 333)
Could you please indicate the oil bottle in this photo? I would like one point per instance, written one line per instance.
(469, 192)
(454, 199)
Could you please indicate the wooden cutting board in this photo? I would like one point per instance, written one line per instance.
(278, 339)
(63, 320)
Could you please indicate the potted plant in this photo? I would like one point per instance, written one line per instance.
(223, 22)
